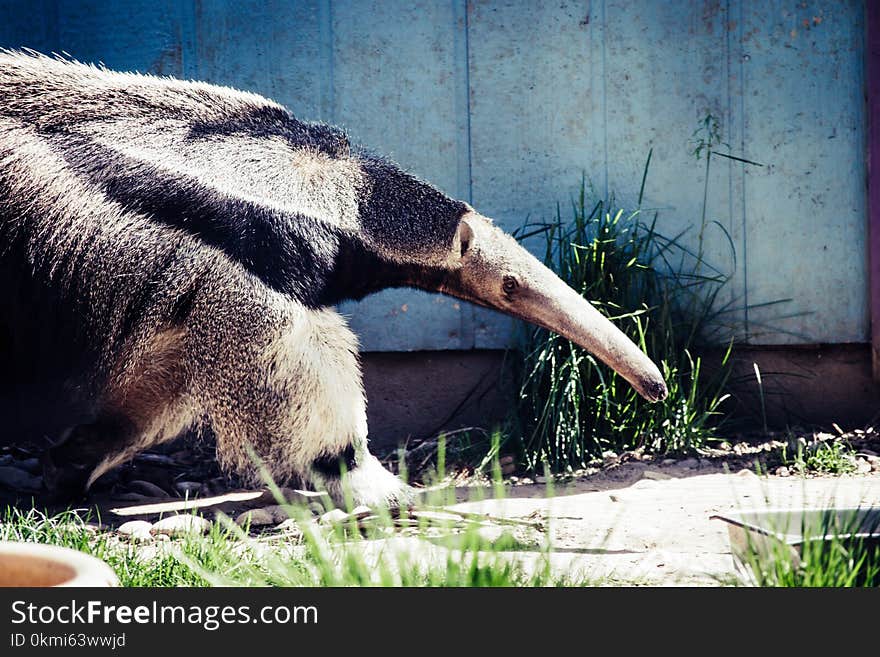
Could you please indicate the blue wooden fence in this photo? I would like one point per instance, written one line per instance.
(507, 103)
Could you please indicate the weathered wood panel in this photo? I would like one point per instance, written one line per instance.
(668, 73)
(537, 107)
(805, 212)
(396, 77)
(507, 103)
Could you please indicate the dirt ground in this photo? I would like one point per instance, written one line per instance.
(630, 522)
(633, 525)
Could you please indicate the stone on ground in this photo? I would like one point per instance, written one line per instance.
(18, 479)
(181, 525)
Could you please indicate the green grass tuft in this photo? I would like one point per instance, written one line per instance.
(834, 456)
(834, 556)
(570, 408)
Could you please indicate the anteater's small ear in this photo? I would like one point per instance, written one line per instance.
(464, 239)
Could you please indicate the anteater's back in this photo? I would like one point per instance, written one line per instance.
(98, 232)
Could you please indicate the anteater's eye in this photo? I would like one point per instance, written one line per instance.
(509, 284)
(465, 245)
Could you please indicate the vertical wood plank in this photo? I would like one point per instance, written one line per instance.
(272, 47)
(464, 154)
(804, 115)
(667, 71)
(32, 25)
(141, 35)
(397, 76)
(736, 219)
(537, 111)
(872, 90)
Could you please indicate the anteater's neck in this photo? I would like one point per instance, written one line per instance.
(358, 273)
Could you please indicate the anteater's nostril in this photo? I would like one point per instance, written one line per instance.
(655, 390)
(332, 465)
(659, 390)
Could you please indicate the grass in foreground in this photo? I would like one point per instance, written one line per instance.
(369, 549)
(342, 557)
(371, 552)
(832, 555)
(363, 552)
(835, 563)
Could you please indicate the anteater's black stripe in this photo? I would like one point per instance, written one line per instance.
(260, 122)
(333, 465)
(289, 253)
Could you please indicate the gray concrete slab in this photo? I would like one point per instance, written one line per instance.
(659, 532)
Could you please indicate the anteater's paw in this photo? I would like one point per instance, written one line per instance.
(369, 484)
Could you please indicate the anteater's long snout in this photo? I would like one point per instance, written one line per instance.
(496, 271)
(557, 307)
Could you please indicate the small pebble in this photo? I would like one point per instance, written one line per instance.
(783, 471)
(255, 518)
(655, 476)
(181, 525)
(76, 528)
(188, 487)
(136, 530)
(267, 515)
(863, 467)
(333, 517)
(32, 465)
(147, 553)
(690, 463)
(18, 479)
(134, 526)
(669, 462)
(146, 488)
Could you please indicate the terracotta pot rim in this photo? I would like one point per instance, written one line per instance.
(87, 570)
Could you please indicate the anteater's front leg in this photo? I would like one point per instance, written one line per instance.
(284, 384)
